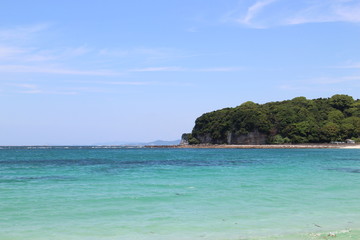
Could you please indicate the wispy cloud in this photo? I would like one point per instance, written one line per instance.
(320, 83)
(36, 57)
(158, 69)
(61, 54)
(182, 69)
(26, 88)
(65, 71)
(253, 11)
(328, 11)
(270, 13)
(55, 70)
(20, 54)
(7, 52)
(22, 33)
(25, 85)
(146, 55)
(148, 83)
(334, 80)
(126, 83)
(37, 91)
(219, 69)
(323, 84)
(349, 66)
(289, 87)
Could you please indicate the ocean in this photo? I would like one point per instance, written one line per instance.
(179, 194)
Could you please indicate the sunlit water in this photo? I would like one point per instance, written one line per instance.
(151, 194)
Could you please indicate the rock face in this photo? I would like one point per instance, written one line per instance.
(185, 139)
(207, 139)
(252, 138)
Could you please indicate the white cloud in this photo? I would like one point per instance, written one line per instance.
(54, 70)
(181, 69)
(348, 13)
(219, 69)
(253, 11)
(25, 85)
(26, 88)
(158, 69)
(38, 91)
(127, 83)
(75, 52)
(327, 11)
(334, 80)
(7, 52)
(322, 84)
(146, 55)
(22, 33)
(259, 15)
(37, 57)
(19, 53)
(318, 84)
(349, 66)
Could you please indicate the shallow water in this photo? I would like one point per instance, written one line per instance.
(216, 194)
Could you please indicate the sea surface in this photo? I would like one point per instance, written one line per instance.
(179, 194)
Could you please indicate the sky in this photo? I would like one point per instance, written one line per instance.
(96, 72)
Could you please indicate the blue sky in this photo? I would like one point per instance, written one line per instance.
(87, 72)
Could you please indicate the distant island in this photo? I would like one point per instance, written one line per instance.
(297, 121)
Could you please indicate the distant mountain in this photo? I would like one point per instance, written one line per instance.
(154, 143)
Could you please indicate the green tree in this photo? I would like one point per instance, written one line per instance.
(336, 116)
(354, 131)
(341, 102)
(299, 120)
(278, 139)
(347, 130)
(331, 131)
(354, 110)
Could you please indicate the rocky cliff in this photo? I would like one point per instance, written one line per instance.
(251, 138)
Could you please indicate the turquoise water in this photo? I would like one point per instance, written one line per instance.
(216, 194)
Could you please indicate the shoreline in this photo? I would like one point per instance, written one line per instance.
(265, 146)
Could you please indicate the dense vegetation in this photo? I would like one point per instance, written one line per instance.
(299, 120)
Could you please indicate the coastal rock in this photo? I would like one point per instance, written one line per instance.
(252, 138)
(185, 139)
(206, 138)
